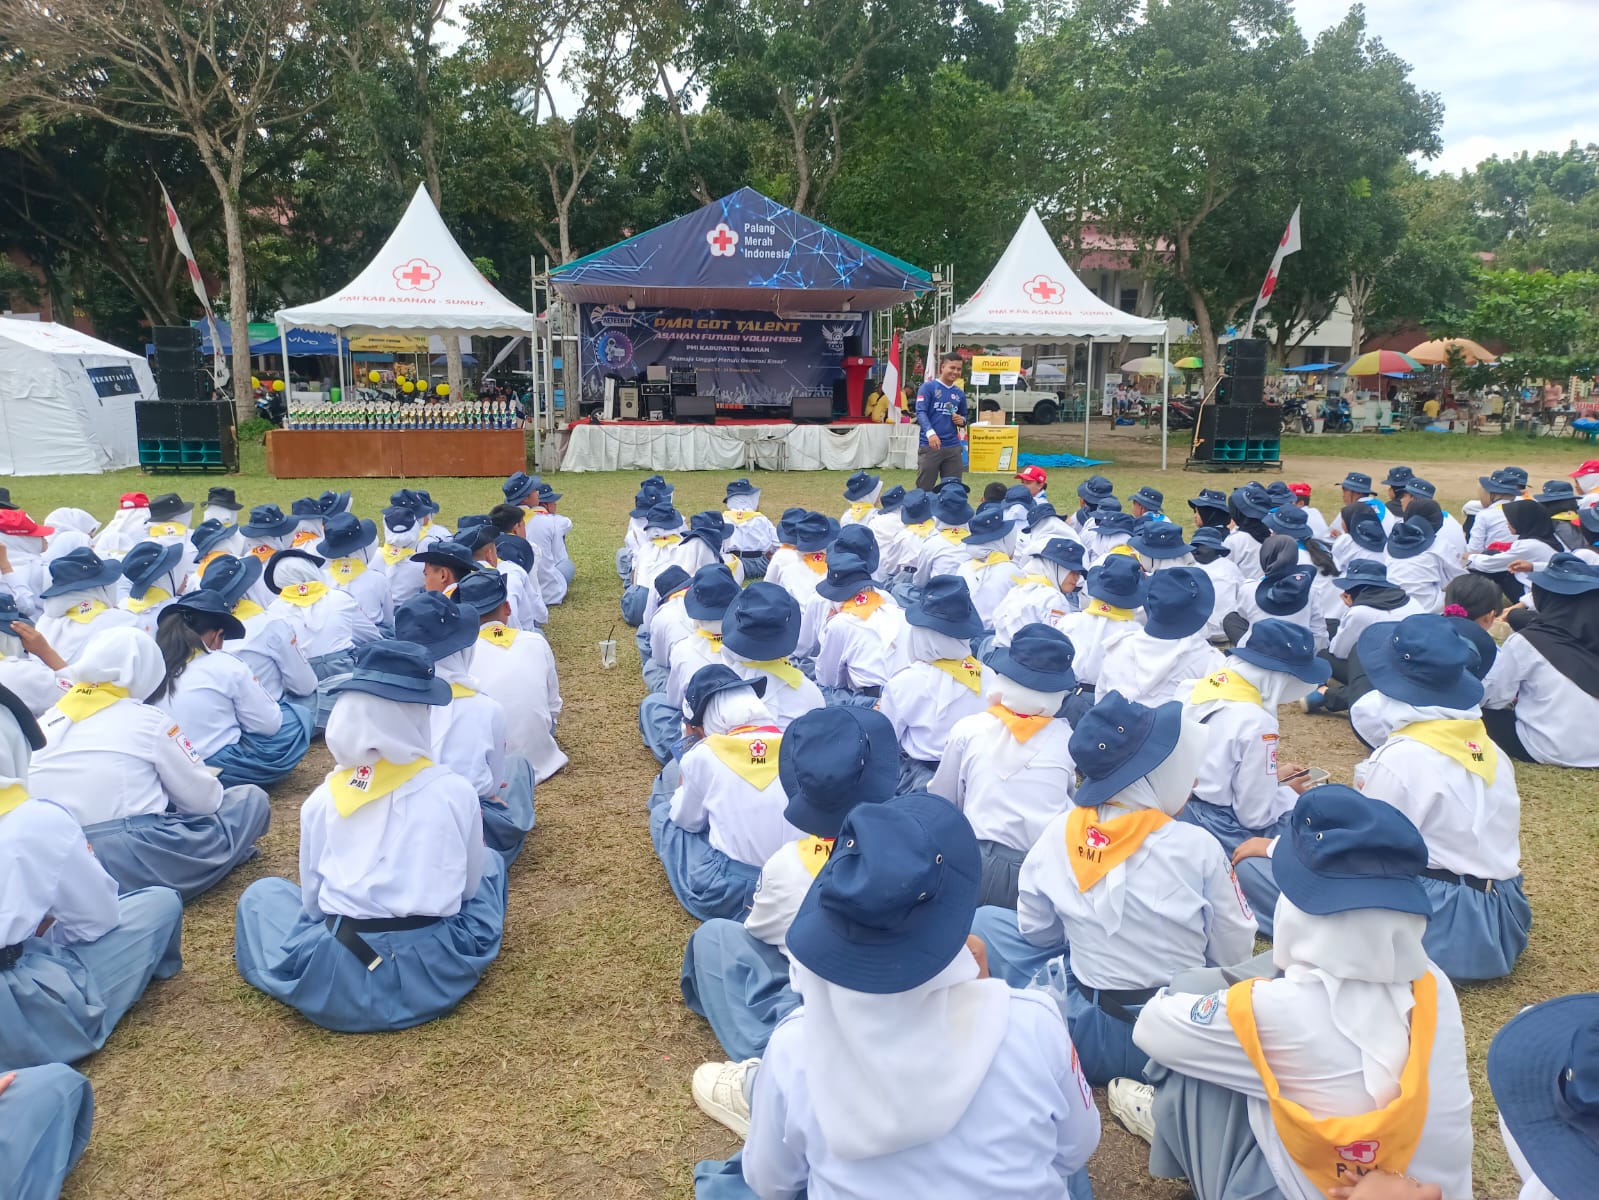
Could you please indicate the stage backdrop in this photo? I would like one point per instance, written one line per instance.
(753, 359)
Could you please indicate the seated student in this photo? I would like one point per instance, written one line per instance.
(1146, 500)
(518, 562)
(355, 567)
(704, 604)
(906, 1069)
(1045, 593)
(45, 1117)
(222, 505)
(944, 552)
(942, 683)
(861, 490)
(1532, 543)
(125, 528)
(1019, 504)
(23, 545)
(445, 563)
(885, 521)
(547, 530)
(663, 532)
(1370, 599)
(760, 629)
(270, 647)
(469, 731)
(308, 528)
(1421, 500)
(1155, 662)
(902, 548)
(230, 720)
(267, 531)
(1212, 556)
(1396, 481)
(813, 535)
(1043, 525)
(993, 494)
(1287, 592)
(1559, 499)
(1248, 507)
(1008, 767)
(1116, 590)
(725, 817)
(988, 570)
(1107, 533)
(735, 974)
(862, 638)
(1211, 510)
(1131, 895)
(212, 539)
(1238, 794)
(1414, 567)
(664, 627)
(785, 555)
(1363, 537)
(1541, 699)
(1291, 521)
(1318, 523)
(754, 537)
(1356, 489)
(155, 574)
(1543, 1067)
(1355, 1054)
(75, 957)
(1495, 490)
(81, 602)
(156, 815)
(328, 623)
(633, 539)
(517, 668)
(1036, 480)
(1159, 546)
(402, 529)
(1090, 493)
(29, 666)
(400, 906)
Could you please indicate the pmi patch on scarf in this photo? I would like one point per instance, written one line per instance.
(1362, 1153)
(360, 779)
(758, 753)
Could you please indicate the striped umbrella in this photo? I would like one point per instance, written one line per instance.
(1381, 362)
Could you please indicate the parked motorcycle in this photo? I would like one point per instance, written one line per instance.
(1294, 412)
(1336, 417)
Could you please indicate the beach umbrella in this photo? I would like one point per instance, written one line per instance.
(1147, 366)
(1436, 352)
(1190, 363)
(1382, 362)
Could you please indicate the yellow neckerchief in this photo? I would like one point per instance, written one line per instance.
(1095, 847)
(814, 853)
(85, 611)
(247, 608)
(861, 605)
(741, 516)
(261, 552)
(161, 529)
(346, 570)
(152, 596)
(967, 671)
(921, 529)
(1226, 685)
(85, 699)
(1022, 728)
(208, 560)
(782, 669)
(662, 541)
(753, 760)
(304, 538)
(1024, 580)
(1098, 608)
(682, 591)
(859, 509)
(538, 510)
(1124, 548)
(459, 691)
(954, 535)
(1467, 742)
(395, 554)
(11, 797)
(995, 557)
(715, 639)
(304, 595)
(1337, 1151)
(361, 785)
(816, 560)
(497, 634)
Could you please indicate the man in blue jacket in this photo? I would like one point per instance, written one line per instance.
(940, 411)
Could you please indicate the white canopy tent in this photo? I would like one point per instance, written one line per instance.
(66, 401)
(1032, 297)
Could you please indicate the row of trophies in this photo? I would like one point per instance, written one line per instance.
(395, 414)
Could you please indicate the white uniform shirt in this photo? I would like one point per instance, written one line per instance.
(217, 700)
(1028, 604)
(862, 654)
(35, 684)
(1555, 718)
(1012, 810)
(939, 556)
(68, 637)
(1346, 551)
(687, 656)
(1490, 526)
(669, 625)
(988, 583)
(901, 551)
(1093, 638)
(778, 894)
(1245, 556)
(547, 533)
(1031, 541)
(1318, 523)
(370, 590)
(124, 761)
(1452, 541)
(1357, 618)
(783, 560)
(522, 677)
(415, 852)
(1151, 671)
(1317, 1067)
(49, 871)
(1228, 584)
(343, 626)
(1425, 576)
(1030, 1125)
(924, 703)
(1240, 768)
(1180, 907)
(405, 578)
(1311, 616)
(753, 533)
(1536, 552)
(469, 738)
(23, 582)
(527, 602)
(272, 652)
(785, 703)
(743, 822)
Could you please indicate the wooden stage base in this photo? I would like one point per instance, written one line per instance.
(412, 454)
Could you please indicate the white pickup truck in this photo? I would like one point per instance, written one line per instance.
(1033, 407)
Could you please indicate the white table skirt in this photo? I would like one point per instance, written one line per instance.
(776, 447)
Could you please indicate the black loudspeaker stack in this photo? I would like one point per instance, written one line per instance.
(180, 372)
(185, 430)
(1239, 429)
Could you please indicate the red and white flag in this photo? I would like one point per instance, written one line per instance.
(1287, 246)
(181, 239)
(891, 382)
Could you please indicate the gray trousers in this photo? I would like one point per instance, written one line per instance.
(933, 465)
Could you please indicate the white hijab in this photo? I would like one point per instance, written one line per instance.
(711, 627)
(978, 551)
(14, 752)
(364, 728)
(65, 542)
(215, 512)
(729, 710)
(888, 1073)
(1151, 565)
(744, 502)
(291, 571)
(22, 550)
(1381, 715)
(59, 606)
(1008, 756)
(928, 645)
(122, 532)
(123, 655)
(1276, 687)
(75, 519)
(457, 668)
(1366, 958)
(404, 538)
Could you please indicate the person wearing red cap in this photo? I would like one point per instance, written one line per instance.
(1036, 479)
(126, 528)
(22, 566)
(1318, 523)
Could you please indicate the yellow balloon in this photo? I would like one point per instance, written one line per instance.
(277, 385)
(373, 377)
(254, 382)
(408, 386)
(421, 385)
(443, 389)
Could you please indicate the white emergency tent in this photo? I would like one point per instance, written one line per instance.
(66, 401)
(1031, 297)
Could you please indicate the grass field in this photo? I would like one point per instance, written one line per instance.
(566, 1073)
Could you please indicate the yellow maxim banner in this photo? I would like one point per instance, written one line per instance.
(993, 449)
(996, 364)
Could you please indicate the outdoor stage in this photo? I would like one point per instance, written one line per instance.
(741, 446)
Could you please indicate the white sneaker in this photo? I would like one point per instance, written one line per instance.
(719, 1091)
(1133, 1104)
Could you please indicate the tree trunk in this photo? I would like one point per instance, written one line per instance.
(239, 312)
(1208, 353)
(1359, 298)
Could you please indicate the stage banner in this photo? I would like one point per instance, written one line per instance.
(752, 359)
(994, 449)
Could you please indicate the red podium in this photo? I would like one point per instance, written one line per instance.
(855, 371)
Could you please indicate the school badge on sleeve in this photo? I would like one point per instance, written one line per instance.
(1205, 1009)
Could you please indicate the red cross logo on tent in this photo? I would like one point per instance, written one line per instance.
(1041, 289)
(416, 275)
(722, 240)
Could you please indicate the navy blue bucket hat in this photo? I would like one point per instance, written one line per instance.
(438, 622)
(1284, 646)
(1543, 1067)
(1421, 660)
(231, 577)
(396, 670)
(762, 623)
(833, 759)
(710, 591)
(1119, 581)
(1179, 603)
(1119, 741)
(945, 606)
(711, 680)
(1039, 657)
(79, 570)
(1345, 851)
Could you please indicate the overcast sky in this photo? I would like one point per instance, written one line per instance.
(1514, 74)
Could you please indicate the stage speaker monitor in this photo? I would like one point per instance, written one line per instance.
(177, 337)
(1232, 391)
(1245, 358)
(698, 410)
(627, 399)
(817, 410)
